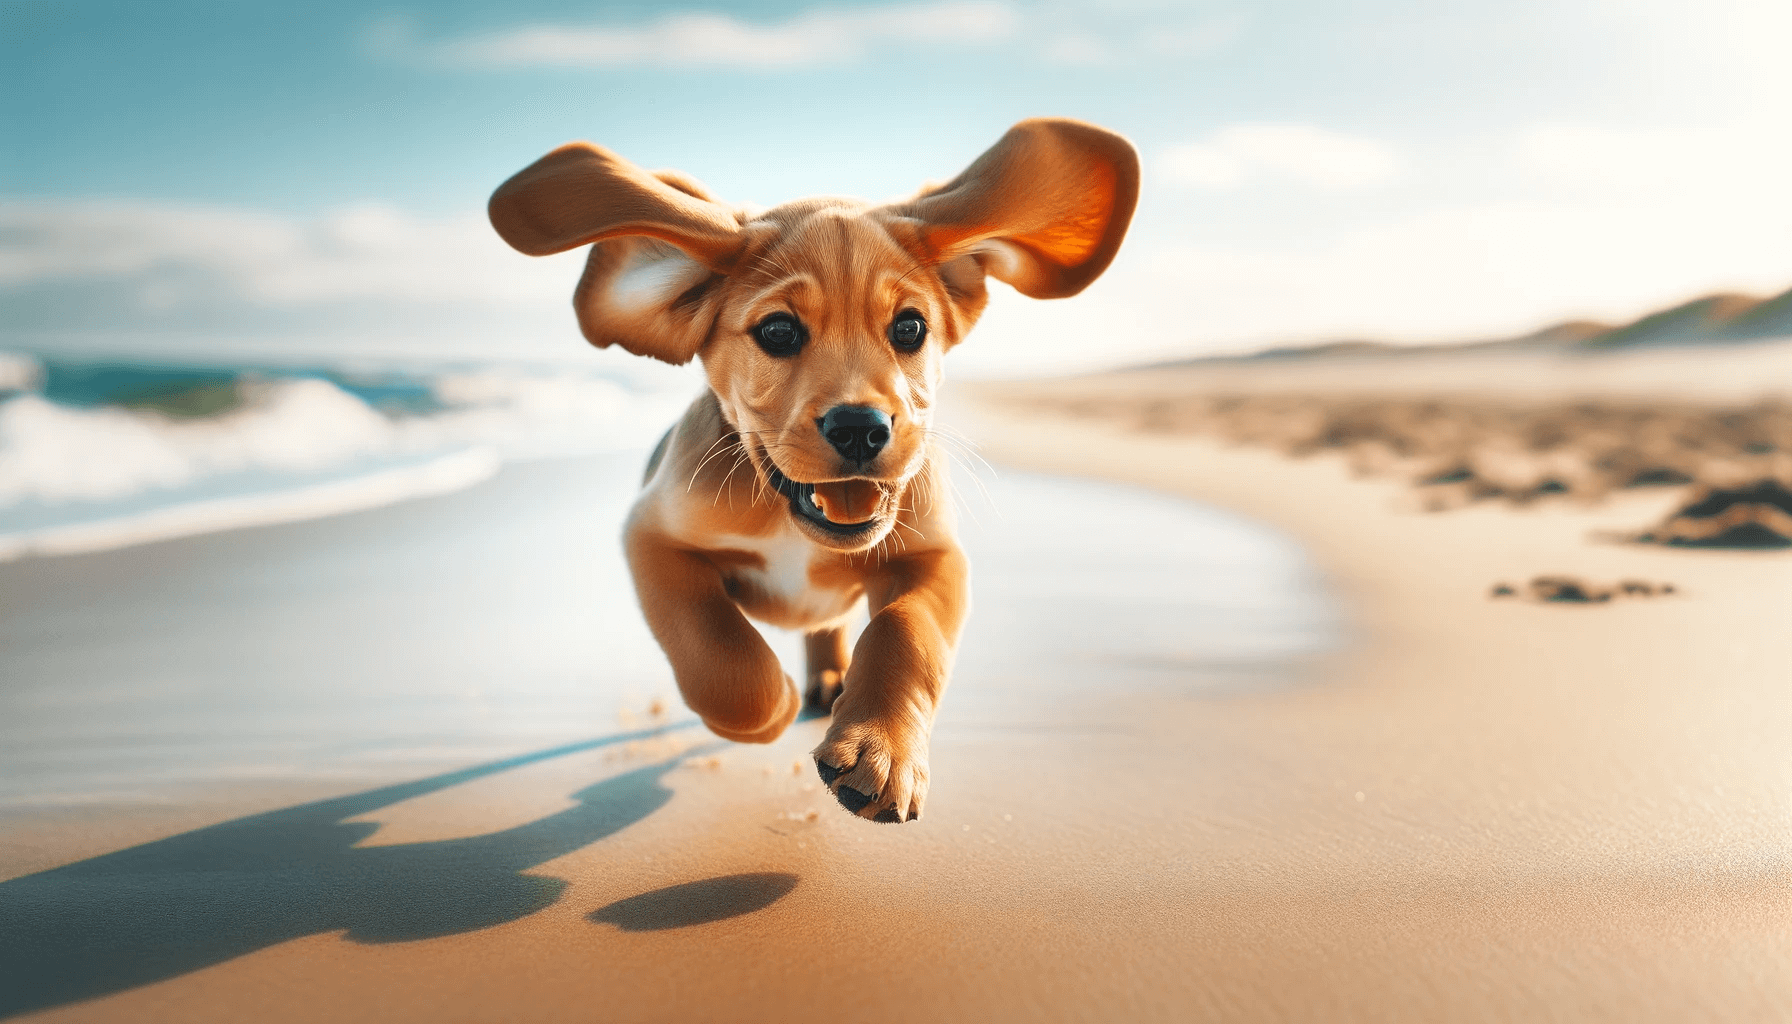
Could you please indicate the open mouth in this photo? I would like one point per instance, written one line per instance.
(842, 498)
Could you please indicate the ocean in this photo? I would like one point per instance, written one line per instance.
(98, 454)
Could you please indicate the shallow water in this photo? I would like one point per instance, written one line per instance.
(1078, 584)
(422, 636)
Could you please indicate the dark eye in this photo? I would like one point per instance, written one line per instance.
(780, 335)
(908, 331)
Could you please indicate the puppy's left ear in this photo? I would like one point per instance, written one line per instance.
(1044, 209)
(659, 245)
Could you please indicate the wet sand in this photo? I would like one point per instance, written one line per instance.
(1448, 807)
(348, 768)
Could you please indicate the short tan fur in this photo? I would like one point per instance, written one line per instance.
(809, 476)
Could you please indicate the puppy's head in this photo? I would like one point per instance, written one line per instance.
(821, 323)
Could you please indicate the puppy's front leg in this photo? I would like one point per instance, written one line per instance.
(874, 757)
(725, 671)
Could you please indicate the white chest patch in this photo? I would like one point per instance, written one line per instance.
(785, 581)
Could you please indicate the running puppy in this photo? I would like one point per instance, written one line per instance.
(807, 477)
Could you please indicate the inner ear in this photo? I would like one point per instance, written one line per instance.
(652, 273)
(647, 296)
(966, 286)
(1044, 209)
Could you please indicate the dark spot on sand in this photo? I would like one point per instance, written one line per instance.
(1574, 590)
(1568, 589)
(1658, 476)
(1453, 475)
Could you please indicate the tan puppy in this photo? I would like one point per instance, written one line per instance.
(808, 477)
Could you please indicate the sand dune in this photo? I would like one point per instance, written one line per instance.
(1720, 319)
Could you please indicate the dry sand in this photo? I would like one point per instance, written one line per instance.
(1476, 810)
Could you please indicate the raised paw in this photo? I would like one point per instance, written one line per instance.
(876, 770)
(743, 721)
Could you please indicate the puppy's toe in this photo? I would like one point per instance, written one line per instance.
(852, 799)
(875, 772)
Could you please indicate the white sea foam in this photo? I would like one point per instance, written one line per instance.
(438, 476)
(540, 416)
(55, 454)
(18, 372)
(86, 478)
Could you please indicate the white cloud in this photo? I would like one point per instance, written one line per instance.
(1310, 156)
(817, 36)
(1732, 163)
(172, 255)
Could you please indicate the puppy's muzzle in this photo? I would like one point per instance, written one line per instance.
(857, 432)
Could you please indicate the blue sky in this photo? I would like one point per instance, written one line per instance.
(311, 177)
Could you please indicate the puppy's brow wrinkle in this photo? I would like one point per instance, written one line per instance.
(782, 285)
(772, 265)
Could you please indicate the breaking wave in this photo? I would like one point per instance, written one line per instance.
(101, 455)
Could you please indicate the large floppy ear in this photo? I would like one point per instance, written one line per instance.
(1044, 209)
(659, 245)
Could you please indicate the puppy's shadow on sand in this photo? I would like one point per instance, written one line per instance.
(712, 899)
(166, 908)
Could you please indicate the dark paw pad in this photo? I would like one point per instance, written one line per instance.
(828, 772)
(888, 816)
(851, 799)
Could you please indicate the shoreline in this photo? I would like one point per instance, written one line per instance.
(1472, 810)
(1610, 776)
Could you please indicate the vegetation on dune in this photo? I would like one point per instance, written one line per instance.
(1459, 451)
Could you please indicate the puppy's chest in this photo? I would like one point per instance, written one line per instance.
(784, 580)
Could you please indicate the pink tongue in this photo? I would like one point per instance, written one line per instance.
(848, 501)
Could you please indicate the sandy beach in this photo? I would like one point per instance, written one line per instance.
(1330, 778)
(1369, 431)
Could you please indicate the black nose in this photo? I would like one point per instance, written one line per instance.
(857, 432)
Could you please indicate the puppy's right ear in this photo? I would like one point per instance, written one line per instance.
(659, 245)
